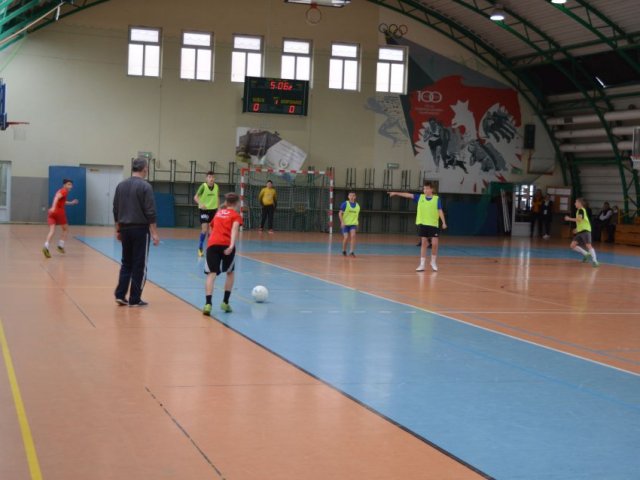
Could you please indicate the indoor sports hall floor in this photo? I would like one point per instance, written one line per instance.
(513, 361)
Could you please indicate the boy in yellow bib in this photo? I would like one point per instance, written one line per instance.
(349, 213)
(207, 199)
(583, 233)
(427, 219)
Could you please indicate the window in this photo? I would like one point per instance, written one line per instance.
(523, 201)
(344, 66)
(196, 56)
(392, 70)
(296, 59)
(144, 52)
(246, 58)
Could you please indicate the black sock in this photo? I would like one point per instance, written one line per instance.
(208, 301)
(227, 294)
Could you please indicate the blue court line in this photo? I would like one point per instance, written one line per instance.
(512, 409)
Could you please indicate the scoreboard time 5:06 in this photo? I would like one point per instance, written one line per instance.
(275, 95)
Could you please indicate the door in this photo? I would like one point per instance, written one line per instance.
(5, 191)
(102, 181)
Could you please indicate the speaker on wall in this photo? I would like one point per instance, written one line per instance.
(529, 137)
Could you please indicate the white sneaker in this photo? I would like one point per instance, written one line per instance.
(434, 267)
(420, 268)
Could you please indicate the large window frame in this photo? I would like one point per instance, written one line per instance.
(144, 52)
(297, 59)
(197, 56)
(247, 57)
(391, 71)
(344, 66)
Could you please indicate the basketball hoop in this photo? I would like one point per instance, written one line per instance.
(313, 14)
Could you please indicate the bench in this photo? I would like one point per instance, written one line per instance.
(628, 234)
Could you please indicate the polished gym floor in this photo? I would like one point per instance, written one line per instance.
(514, 361)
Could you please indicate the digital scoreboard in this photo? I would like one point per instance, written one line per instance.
(275, 95)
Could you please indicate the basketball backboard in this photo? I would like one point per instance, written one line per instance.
(635, 148)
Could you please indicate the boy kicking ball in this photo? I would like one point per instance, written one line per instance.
(57, 216)
(221, 250)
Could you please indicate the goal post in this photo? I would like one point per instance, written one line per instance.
(304, 198)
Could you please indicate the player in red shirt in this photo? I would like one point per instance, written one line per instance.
(221, 250)
(57, 216)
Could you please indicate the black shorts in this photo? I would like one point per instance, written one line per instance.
(217, 262)
(582, 238)
(207, 215)
(428, 231)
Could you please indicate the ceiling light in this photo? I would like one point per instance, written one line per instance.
(559, 2)
(497, 14)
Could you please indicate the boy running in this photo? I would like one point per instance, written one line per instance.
(57, 216)
(207, 199)
(349, 213)
(221, 250)
(583, 233)
(427, 216)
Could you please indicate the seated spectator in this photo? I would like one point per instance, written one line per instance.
(602, 222)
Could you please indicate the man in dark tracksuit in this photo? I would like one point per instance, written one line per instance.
(134, 211)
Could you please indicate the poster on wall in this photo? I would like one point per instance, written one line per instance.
(262, 148)
(463, 127)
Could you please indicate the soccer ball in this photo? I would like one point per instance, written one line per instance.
(260, 293)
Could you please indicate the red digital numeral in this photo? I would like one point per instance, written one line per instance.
(256, 107)
(292, 109)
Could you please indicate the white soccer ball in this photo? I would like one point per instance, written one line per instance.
(260, 293)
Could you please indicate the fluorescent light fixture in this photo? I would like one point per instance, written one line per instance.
(559, 2)
(497, 14)
(601, 82)
(321, 3)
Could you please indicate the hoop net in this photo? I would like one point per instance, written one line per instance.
(304, 199)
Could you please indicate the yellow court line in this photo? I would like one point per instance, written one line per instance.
(27, 439)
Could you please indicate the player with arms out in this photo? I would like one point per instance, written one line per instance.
(57, 216)
(221, 250)
(582, 233)
(207, 199)
(348, 214)
(427, 219)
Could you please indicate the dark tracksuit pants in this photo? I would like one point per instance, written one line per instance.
(133, 268)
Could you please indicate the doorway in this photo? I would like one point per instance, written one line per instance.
(102, 181)
(5, 191)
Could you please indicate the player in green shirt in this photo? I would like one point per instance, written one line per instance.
(582, 233)
(207, 199)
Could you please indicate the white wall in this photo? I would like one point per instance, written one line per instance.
(69, 81)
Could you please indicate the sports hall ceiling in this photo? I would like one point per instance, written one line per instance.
(574, 58)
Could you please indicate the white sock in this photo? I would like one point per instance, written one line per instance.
(433, 259)
(61, 243)
(580, 250)
(423, 260)
(593, 254)
(46, 245)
